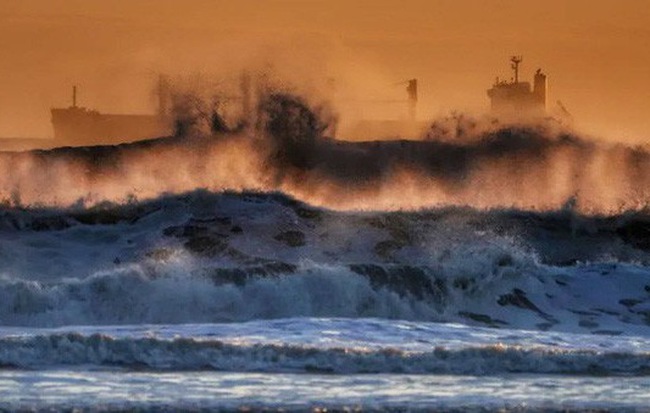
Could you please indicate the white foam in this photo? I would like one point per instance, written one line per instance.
(340, 346)
(452, 265)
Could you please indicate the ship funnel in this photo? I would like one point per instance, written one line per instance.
(540, 87)
(412, 90)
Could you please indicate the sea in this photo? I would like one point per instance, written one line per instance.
(203, 274)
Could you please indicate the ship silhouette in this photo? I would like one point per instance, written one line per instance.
(77, 125)
(178, 112)
(517, 99)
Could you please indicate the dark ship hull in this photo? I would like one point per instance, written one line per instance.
(79, 126)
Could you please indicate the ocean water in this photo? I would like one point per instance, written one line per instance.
(212, 273)
(235, 301)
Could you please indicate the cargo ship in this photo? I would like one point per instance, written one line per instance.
(77, 125)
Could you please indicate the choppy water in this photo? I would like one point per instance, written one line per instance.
(227, 301)
(446, 280)
(209, 391)
(301, 364)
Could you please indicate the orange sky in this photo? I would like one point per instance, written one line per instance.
(596, 53)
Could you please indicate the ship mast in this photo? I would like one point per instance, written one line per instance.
(515, 66)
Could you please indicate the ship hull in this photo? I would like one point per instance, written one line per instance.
(79, 126)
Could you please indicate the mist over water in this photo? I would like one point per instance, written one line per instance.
(301, 239)
(460, 161)
(184, 253)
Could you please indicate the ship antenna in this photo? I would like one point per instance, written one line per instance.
(515, 66)
(74, 96)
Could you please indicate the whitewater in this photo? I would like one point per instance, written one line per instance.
(274, 269)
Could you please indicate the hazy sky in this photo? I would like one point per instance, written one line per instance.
(596, 53)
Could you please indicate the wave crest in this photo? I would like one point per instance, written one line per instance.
(482, 165)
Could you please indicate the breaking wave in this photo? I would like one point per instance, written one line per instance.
(205, 257)
(252, 348)
(508, 226)
(480, 164)
(133, 296)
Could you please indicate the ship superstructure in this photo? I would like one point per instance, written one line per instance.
(404, 122)
(517, 99)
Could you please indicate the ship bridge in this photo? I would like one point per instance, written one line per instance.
(518, 99)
